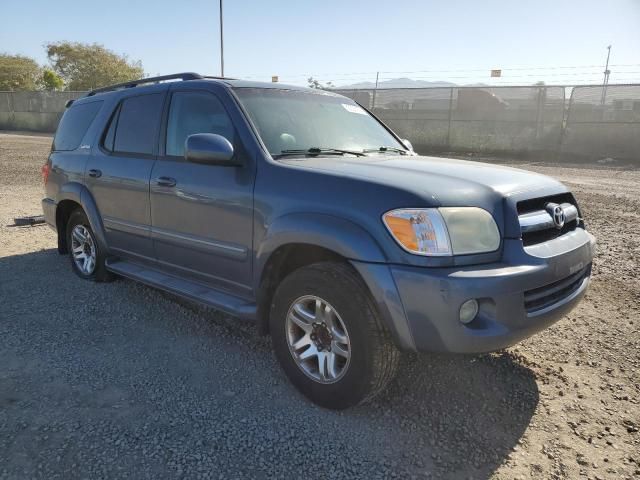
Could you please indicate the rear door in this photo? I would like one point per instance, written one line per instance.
(119, 171)
(202, 215)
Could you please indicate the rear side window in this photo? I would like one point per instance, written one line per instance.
(134, 127)
(195, 112)
(74, 124)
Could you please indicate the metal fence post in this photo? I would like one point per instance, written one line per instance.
(375, 91)
(12, 107)
(539, 113)
(565, 120)
(537, 135)
(449, 118)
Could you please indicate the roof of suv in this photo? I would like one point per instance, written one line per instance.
(149, 82)
(189, 77)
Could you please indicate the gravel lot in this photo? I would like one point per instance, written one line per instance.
(120, 380)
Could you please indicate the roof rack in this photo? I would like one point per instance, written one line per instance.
(143, 81)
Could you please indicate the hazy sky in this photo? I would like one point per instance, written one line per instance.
(346, 41)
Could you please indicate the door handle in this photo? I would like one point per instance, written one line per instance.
(95, 173)
(166, 181)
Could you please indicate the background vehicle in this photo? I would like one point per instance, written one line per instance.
(298, 209)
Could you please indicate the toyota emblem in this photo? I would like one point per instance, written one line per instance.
(557, 214)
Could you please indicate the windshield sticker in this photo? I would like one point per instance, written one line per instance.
(354, 109)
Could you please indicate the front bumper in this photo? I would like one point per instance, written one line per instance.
(531, 289)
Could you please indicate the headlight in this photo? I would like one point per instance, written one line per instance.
(443, 231)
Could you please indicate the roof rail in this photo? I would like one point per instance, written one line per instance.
(214, 77)
(143, 81)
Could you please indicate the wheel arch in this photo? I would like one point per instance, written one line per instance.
(284, 260)
(74, 195)
(337, 234)
(297, 240)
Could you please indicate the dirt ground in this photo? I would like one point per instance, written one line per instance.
(562, 404)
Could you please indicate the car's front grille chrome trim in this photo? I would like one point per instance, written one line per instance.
(542, 220)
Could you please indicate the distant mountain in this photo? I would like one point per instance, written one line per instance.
(400, 83)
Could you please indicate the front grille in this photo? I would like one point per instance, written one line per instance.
(531, 238)
(533, 204)
(543, 297)
(536, 224)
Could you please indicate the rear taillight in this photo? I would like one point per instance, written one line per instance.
(46, 169)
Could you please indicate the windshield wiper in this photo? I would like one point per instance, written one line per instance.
(317, 151)
(386, 149)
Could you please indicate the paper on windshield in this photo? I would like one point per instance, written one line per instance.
(354, 109)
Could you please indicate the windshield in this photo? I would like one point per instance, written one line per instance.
(299, 122)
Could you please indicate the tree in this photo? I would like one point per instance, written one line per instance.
(18, 72)
(50, 80)
(86, 66)
(313, 83)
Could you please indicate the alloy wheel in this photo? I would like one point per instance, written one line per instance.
(318, 339)
(83, 249)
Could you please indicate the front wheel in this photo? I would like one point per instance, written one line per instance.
(329, 338)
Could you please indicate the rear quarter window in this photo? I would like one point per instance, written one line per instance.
(74, 124)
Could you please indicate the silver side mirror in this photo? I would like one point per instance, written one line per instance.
(208, 148)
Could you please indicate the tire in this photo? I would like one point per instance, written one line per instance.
(96, 270)
(372, 358)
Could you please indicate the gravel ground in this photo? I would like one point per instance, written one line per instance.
(120, 380)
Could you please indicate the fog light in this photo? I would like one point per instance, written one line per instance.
(468, 311)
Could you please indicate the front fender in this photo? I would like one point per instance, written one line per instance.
(327, 231)
(350, 241)
(78, 193)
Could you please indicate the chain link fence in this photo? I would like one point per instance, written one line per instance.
(471, 119)
(603, 123)
(594, 123)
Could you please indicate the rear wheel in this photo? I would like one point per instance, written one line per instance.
(329, 338)
(87, 258)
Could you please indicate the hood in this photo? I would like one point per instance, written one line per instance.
(447, 181)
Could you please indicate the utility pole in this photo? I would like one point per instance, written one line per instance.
(605, 81)
(221, 43)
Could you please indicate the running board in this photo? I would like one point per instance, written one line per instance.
(230, 304)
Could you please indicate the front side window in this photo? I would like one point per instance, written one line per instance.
(301, 120)
(195, 112)
(136, 125)
(74, 124)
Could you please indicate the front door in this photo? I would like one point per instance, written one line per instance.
(202, 215)
(118, 173)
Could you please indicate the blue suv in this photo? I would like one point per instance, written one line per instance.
(299, 210)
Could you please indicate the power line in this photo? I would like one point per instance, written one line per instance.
(464, 70)
(537, 75)
(516, 68)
